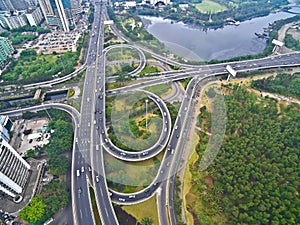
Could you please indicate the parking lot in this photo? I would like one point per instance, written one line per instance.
(55, 42)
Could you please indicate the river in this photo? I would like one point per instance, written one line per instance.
(196, 44)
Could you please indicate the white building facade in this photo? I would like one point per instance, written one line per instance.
(14, 170)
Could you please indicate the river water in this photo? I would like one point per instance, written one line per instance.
(196, 44)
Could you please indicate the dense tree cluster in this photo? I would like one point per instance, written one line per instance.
(31, 68)
(54, 196)
(255, 176)
(58, 165)
(34, 211)
(291, 42)
(61, 139)
(44, 206)
(27, 28)
(24, 34)
(284, 84)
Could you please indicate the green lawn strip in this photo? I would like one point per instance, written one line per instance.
(147, 208)
(94, 207)
(187, 180)
(161, 90)
(122, 54)
(113, 85)
(71, 92)
(208, 6)
(150, 69)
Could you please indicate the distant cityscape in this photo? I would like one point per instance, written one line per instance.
(56, 13)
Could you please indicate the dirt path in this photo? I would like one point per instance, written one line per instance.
(281, 36)
(276, 96)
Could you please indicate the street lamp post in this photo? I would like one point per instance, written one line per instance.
(146, 115)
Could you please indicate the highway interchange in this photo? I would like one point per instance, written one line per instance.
(91, 138)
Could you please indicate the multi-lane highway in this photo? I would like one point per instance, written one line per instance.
(89, 161)
(91, 138)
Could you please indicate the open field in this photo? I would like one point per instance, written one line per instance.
(208, 6)
(161, 90)
(113, 85)
(144, 209)
(130, 177)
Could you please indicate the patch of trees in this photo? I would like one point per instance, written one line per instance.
(91, 14)
(147, 221)
(28, 28)
(33, 68)
(284, 84)
(54, 195)
(34, 211)
(61, 139)
(18, 35)
(58, 165)
(44, 206)
(291, 42)
(255, 176)
(173, 112)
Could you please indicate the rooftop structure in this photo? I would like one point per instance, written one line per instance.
(278, 43)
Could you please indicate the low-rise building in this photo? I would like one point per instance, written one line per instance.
(13, 21)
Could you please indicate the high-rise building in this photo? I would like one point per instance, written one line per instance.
(56, 12)
(6, 51)
(62, 15)
(14, 170)
(6, 125)
(34, 16)
(46, 9)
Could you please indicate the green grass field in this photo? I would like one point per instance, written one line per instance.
(208, 6)
(130, 177)
(94, 206)
(161, 90)
(144, 209)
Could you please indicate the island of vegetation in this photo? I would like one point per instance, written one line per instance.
(254, 178)
(210, 13)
